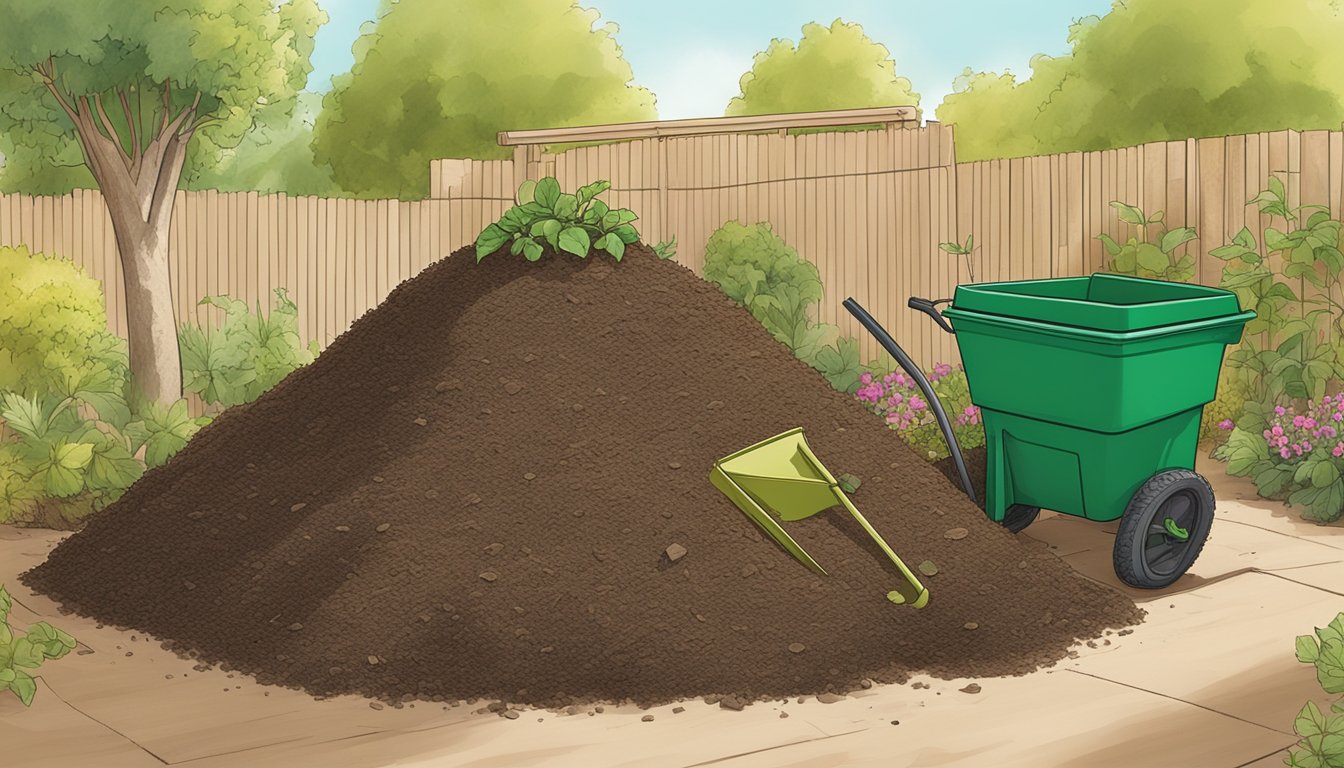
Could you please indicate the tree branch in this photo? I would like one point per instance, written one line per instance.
(130, 125)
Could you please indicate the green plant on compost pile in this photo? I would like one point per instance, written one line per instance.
(757, 269)
(1322, 733)
(1154, 258)
(573, 223)
(897, 398)
(22, 652)
(247, 355)
(68, 436)
(666, 249)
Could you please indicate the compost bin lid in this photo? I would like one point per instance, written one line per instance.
(1103, 302)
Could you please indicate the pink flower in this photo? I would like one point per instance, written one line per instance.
(1337, 416)
(1278, 410)
(1297, 448)
(1298, 421)
(1283, 452)
(916, 404)
(1276, 430)
(1310, 423)
(942, 369)
(1306, 445)
(970, 410)
(1225, 424)
(866, 378)
(1338, 450)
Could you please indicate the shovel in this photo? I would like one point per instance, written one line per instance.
(781, 475)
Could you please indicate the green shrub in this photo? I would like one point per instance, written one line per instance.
(1225, 408)
(22, 652)
(52, 325)
(68, 436)
(666, 249)
(757, 269)
(1322, 733)
(248, 354)
(1155, 257)
(574, 223)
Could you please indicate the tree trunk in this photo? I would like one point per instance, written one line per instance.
(156, 369)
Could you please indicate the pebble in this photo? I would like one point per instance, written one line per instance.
(297, 507)
(674, 464)
(494, 549)
(675, 552)
(530, 476)
(421, 421)
(511, 714)
(733, 703)
(956, 534)
(383, 528)
(928, 568)
(783, 715)
(295, 627)
(678, 710)
(972, 688)
(342, 528)
(375, 705)
(830, 698)
(970, 625)
(797, 647)
(489, 576)
(647, 718)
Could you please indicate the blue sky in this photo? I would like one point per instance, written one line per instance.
(691, 53)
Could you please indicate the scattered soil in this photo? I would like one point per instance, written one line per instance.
(975, 467)
(476, 491)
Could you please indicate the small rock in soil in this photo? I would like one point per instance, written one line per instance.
(830, 698)
(797, 647)
(342, 528)
(383, 527)
(956, 534)
(295, 627)
(647, 718)
(678, 710)
(494, 549)
(928, 568)
(375, 705)
(675, 552)
(421, 421)
(297, 507)
(489, 576)
(674, 464)
(511, 714)
(972, 688)
(783, 715)
(373, 661)
(732, 702)
(970, 625)
(530, 476)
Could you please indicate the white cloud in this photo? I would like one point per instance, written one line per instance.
(695, 83)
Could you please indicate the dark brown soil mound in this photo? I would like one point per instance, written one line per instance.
(470, 494)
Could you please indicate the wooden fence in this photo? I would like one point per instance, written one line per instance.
(869, 208)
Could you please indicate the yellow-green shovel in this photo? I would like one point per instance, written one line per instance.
(783, 476)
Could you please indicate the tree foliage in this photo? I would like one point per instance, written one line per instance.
(1154, 70)
(246, 58)
(436, 79)
(835, 67)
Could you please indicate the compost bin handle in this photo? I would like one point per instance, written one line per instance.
(930, 308)
(894, 349)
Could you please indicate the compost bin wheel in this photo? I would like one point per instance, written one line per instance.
(1163, 529)
(1019, 516)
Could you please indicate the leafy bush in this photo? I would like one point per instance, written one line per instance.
(1154, 258)
(1298, 457)
(573, 223)
(247, 355)
(68, 436)
(897, 398)
(1220, 415)
(52, 325)
(1322, 734)
(21, 652)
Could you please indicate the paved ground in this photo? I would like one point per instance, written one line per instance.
(1208, 681)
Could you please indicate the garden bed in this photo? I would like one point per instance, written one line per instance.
(471, 493)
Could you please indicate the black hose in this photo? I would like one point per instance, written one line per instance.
(894, 349)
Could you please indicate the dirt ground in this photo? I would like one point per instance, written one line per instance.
(1208, 680)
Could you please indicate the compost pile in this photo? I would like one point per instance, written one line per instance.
(495, 485)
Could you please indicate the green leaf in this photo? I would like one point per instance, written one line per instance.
(1330, 667)
(547, 192)
(1128, 213)
(24, 415)
(848, 483)
(626, 233)
(531, 249)
(589, 191)
(1276, 240)
(595, 212)
(1310, 721)
(574, 240)
(489, 241)
(27, 653)
(513, 221)
(1112, 247)
(527, 191)
(566, 207)
(614, 246)
(24, 687)
(1324, 474)
(6, 602)
(1125, 262)
(1307, 649)
(1176, 238)
(1151, 258)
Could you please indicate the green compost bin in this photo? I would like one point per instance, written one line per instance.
(1088, 386)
